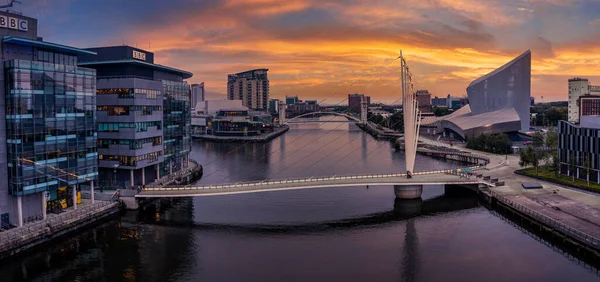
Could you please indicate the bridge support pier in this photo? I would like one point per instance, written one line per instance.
(408, 191)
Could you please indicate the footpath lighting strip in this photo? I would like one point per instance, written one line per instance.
(300, 180)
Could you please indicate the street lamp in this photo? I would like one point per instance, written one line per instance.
(115, 173)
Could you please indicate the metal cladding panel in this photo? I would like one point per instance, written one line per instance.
(506, 87)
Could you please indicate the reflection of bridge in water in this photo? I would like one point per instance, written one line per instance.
(454, 199)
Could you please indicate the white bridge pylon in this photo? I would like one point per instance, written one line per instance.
(412, 116)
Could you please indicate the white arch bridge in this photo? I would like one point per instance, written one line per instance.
(298, 119)
(401, 184)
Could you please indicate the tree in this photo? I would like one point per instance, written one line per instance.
(538, 139)
(555, 114)
(530, 156)
(555, 162)
(552, 155)
(440, 111)
(397, 122)
(552, 138)
(376, 119)
(572, 166)
(526, 156)
(587, 166)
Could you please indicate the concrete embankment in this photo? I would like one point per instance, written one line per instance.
(569, 221)
(17, 240)
(377, 133)
(259, 138)
(188, 175)
(569, 215)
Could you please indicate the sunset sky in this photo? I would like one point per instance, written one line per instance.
(325, 49)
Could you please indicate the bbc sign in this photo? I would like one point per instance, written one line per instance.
(139, 55)
(14, 23)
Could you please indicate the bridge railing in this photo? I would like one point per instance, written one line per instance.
(290, 181)
(579, 235)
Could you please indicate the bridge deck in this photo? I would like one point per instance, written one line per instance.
(429, 178)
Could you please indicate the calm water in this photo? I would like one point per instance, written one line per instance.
(335, 234)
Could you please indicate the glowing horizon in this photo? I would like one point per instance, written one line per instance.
(326, 49)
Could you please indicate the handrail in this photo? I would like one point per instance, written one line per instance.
(9, 236)
(299, 179)
(579, 235)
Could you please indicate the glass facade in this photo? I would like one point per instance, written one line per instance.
(50, 123)
(131, 161)
(130, 93)
(139, 126)
(177, 119)
(576, 146)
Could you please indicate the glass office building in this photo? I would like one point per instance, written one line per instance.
(177, 118)
(50, 125)
(48, 133)
(144, 116)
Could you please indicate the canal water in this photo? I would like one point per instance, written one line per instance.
(333, 234)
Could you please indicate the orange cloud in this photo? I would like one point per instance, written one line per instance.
(336, 48)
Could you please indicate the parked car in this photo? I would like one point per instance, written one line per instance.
(527, 143)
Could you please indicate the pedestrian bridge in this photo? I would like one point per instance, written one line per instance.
(298, 119)
(446, 177)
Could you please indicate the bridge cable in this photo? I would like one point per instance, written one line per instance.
(349, 85)
(235, 149)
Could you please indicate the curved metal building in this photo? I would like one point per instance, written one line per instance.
(506, 87)
(498, 102)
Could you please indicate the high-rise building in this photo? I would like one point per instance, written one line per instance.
(252, 87)
(290, 100)
(354, 101)
(274, 106)
(424, 101)
(48, 133)
(589, 105)
(144, 116)
(300, 108)
(439, 102)
(579, 87)
(197, 93)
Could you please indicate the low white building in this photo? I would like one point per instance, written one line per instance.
(211, 107)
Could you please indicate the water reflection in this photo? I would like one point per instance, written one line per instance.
(334, 234)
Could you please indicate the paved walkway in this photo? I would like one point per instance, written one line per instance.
(84, 209)
(172, 178)
(423, 178)
(577, 209)
(257, 138)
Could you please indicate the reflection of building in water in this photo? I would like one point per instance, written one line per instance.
(235, 160)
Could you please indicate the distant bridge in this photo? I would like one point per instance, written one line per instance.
(297, 119)
(446, 177)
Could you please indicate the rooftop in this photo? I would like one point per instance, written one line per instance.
(46, 45)
(528, 52)
(183, 73)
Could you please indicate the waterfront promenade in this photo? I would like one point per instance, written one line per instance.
(19, 239)
(277, 131)
(575, 209)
